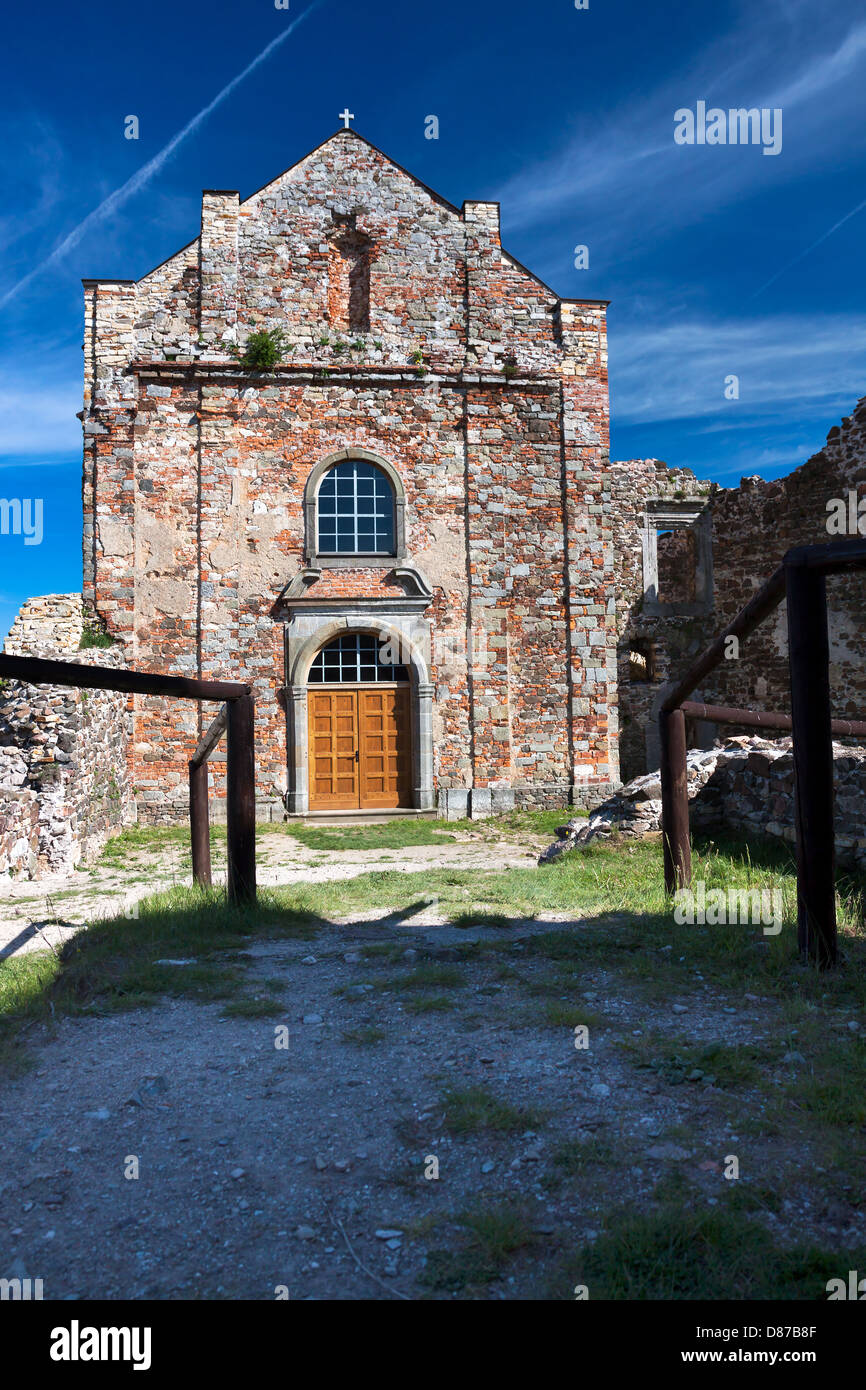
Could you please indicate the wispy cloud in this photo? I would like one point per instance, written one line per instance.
(809, 249)
(786, 365)
(624, 177)
(30, 164)
(147, 172)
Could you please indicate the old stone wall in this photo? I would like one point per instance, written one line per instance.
(19, 817)
(652, 646)
(64, 766)
(52, 620)
(414, 337)
(746, 786)
(752, 527)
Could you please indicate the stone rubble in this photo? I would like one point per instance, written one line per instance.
(745, 784)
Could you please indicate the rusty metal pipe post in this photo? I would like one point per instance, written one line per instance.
(809, 658)
(675, 801)
(199, 824)
(241, 800)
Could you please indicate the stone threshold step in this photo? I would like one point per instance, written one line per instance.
(359, 817)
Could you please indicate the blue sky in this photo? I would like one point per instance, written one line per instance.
(717, 259)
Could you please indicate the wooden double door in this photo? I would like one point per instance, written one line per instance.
(360, 747)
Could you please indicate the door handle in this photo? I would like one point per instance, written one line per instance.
(357, 756)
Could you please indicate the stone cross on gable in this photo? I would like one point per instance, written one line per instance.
(347, 116)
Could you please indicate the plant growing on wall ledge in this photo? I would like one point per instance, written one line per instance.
(93, 636)
(262, 349)
(418, 358)
(509, 367)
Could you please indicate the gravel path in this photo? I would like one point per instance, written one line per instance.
(42, 913)
(299, 1170)
(183, 1151)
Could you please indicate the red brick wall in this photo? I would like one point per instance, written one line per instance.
(486, 394)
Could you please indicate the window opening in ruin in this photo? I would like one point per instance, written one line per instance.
(677, 559)
(677, 543)
(349, 257)
(642, 662)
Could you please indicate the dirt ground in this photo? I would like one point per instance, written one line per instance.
(42, 913)
(260, 1166)
(416, 1120)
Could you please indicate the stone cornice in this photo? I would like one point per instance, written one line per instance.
(209, 370)
(352, 605)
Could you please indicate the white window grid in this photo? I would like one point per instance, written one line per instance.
(356, 511)
(353, 660)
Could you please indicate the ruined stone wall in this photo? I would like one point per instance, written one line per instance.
(744, 786)
(664, 641)
(486, 394)
(52, 620)
(753, 526)
(64, 766)
(19, 817)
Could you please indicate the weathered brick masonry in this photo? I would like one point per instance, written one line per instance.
(64, 753)
(418, 344)
(746, 532)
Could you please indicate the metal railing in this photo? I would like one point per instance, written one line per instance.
(800, 580)
(236, 718)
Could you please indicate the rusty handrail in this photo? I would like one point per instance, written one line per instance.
(237, 716)
(764, 719)
(800, 580)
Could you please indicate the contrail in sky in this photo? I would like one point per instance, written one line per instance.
(137, 181)
(803, 254)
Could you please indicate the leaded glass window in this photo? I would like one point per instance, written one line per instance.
(356, 510)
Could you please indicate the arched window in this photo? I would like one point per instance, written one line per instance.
(355, 659)
(356, 514)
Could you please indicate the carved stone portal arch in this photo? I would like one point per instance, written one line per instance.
(408, 636)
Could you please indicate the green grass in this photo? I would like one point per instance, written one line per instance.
(832, 1087)
(402, 832)
(474, 1110)
(558, 1013)
(366, 1036)
(680, 1253)
(93, 637)
(113, 965)
(429, 1004)
(147, 839)
(726, 1065)
(578, 1158)
(393, 834)
(622, 884)
(493, 1234)
(255, 1006)
(480, 917)
(405, 831)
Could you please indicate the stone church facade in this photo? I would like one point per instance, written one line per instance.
(406, 535)
(399, 535)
